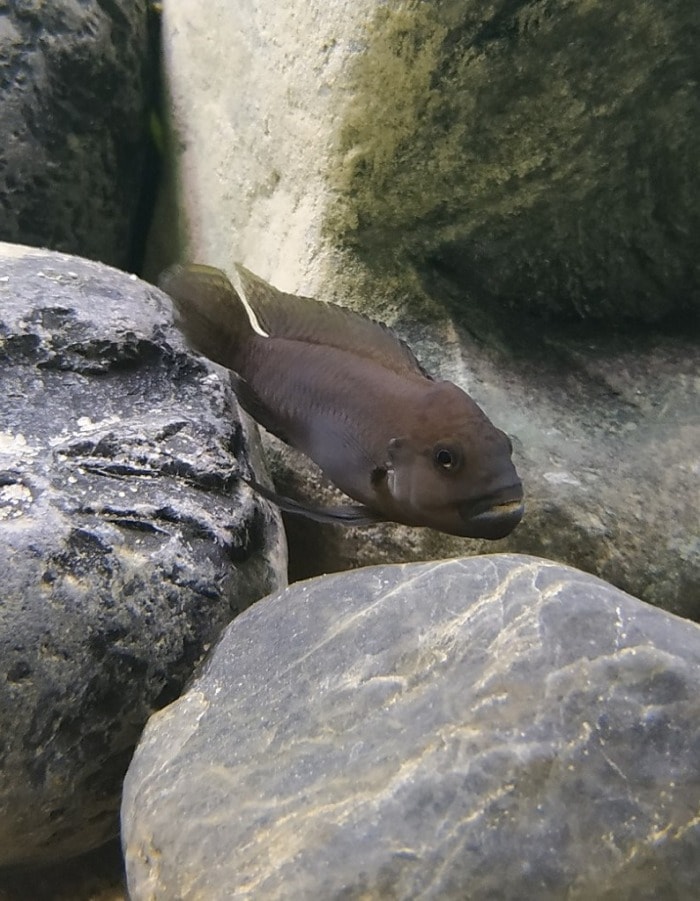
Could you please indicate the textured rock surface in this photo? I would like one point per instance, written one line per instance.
(493, 727)
(73, 119)
(126, 543)
(417, 161)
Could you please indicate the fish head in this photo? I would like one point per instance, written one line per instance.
(453, 471)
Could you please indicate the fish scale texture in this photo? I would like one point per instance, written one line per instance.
(492, 727)
(126, 545)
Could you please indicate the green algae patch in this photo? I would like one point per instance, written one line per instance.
(542, 157)
(377, 190)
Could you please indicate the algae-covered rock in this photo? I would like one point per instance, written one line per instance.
(542, 157)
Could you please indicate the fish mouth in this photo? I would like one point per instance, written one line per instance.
(493, 518)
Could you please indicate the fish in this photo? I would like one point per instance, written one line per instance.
(347, 392)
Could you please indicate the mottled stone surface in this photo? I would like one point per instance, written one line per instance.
(540, 156)
(74, 83)
(492, 727)
(423, 162)
(126, 541)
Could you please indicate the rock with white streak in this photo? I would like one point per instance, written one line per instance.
(491, 727)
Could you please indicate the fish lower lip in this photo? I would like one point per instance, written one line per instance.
(505, 509)
(495, 522)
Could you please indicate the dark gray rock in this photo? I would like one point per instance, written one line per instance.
(74, 83)
(494, 727)
(95, 876)
(126, 541)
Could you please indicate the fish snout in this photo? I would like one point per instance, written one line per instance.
(494, 516)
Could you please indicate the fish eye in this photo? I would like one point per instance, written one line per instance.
(446, 457)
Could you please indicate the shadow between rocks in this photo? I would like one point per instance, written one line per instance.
(97, 876)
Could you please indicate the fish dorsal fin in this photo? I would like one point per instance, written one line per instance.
(209, 311)
(282, 315)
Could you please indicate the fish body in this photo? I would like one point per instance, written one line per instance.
(349, 394)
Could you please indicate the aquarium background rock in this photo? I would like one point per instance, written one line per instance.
(537, 158)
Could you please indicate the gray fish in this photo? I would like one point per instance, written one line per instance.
(348, 393)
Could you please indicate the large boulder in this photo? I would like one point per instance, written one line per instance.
(447, 169)
(126, 541)
(76, 78)
(492, 727)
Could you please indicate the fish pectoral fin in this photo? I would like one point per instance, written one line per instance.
(345, 515)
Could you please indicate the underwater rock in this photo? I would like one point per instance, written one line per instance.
(97, 875)
(488, 727)
(74, 82)
(126, 541)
